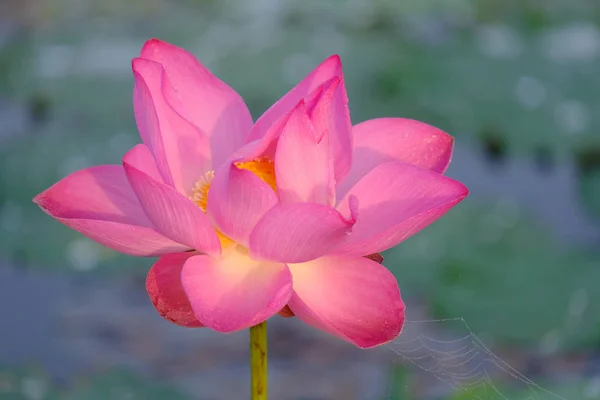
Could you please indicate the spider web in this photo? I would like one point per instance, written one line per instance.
(463, 365)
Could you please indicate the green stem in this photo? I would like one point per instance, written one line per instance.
(258, 361)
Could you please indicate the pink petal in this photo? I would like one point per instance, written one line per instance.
(298, 232)
(163, 284)
(265, 146)
(134, 240)
(201, 98)
(181, 150)
(303, 165)
(173, 215)
(99, 203)
(328, 110)
(395, 201)
(353, 298)
(235, 292)
(378, 141)
(328, 69)
(140, 157)
(237, 199)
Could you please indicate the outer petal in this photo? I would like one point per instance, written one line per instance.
(140, 157)
(382, 140)
(237, 199)
(303, 165)
(181, 150)
(163, 284)
(353, 298)
(298, 232)
(172, 214)
(396, 200)
(99, 203)
(201, 98)
(235, 292)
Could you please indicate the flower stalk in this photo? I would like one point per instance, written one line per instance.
(258, 361)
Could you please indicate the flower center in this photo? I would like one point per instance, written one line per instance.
(261, 167)
(200, 190)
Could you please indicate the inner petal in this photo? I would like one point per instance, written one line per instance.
(263, 168)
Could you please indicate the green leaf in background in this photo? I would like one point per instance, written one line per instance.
(479, 392)
(588, 168)
(29, 383)
(589, 187)
(584, 389)
(402, 386)
(25, 383)
(119, 385)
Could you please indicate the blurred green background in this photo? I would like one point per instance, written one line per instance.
(517, 82)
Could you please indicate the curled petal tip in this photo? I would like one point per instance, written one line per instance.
(353, 206)
(38, 199)
(135, 65)
(335, 58)
(152, 45)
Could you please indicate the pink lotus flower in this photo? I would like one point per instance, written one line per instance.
(250, 219)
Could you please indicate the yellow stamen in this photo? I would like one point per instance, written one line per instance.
(261, 167)
(200, 190)
(225, 241)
